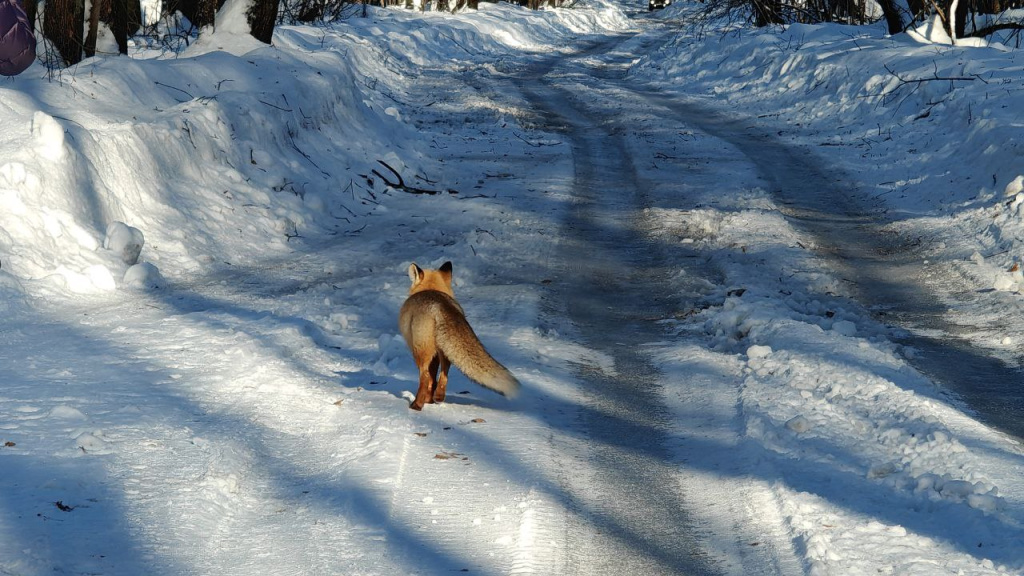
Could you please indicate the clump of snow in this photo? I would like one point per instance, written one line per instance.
(989, 502)
(883, 470)
(49, 136)
(1014, 187)
(92, 443)
(930, 31)
(978, 495)
(125, 241)
(758, 352)
(1015, 203)
(339, 322)
(1003, 283)
(230, 33)
(143, 276)
(798, 424)
(845, 327)
(232, 19)
(66, 413)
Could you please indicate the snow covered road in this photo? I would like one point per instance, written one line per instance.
(611, 282)
(231, 450)
(707, 386)
(615, 280)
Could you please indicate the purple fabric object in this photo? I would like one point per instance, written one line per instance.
(17, 39)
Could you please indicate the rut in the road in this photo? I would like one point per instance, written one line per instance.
(627, 512)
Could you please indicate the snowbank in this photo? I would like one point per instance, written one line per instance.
(231, 151)
(938, 123)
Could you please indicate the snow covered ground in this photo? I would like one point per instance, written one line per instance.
(236, 402)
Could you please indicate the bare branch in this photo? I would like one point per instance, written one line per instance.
(400, 183)
(936, 76)
(190, 96)
(535, 144)
(988, 30)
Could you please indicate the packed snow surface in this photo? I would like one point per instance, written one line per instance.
(203, 254)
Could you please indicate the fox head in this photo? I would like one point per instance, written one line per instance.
(440, 279)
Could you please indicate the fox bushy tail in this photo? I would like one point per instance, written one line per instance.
(459, 343)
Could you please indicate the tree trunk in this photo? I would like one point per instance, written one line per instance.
(262, 17)
(767, 12)
(963, 9)
(94, 28)
(119, 24)
(953, 14)
(63, 24)
(125, 21)
(893, 18)
(31, 10)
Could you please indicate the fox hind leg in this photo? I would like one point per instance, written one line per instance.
(435, 363)
(441, 382)
(428, 369)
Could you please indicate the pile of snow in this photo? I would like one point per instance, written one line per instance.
(125, 242)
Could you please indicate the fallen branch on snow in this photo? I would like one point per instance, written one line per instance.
(401, 185)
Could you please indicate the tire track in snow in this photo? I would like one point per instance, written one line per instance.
(630, 507)
(626, 513)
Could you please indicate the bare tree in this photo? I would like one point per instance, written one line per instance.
(200, 13)
(262, 16)
(125, 20)
(767, 12)
(63, 25)
(897, 16)
(94, 27)
(31, 11)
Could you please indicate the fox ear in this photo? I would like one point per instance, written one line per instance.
(446, 272)
(415, 273)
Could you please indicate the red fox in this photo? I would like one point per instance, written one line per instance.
(435, 328)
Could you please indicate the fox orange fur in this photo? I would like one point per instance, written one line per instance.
(435, 328)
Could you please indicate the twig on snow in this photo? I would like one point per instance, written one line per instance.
(275, 106)
(535, 144)
(190, 96)
(400, 183)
